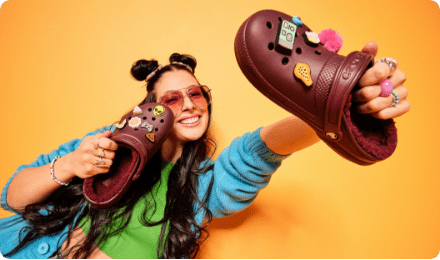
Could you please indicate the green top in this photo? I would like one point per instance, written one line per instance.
(138, 241)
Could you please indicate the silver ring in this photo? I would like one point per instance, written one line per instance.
(97, 144)
(395, 97)
(100, 163)
(101, 154)
(390, 62)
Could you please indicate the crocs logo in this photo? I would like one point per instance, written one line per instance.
(351, 67)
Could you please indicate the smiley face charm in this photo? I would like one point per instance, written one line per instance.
(159, 110)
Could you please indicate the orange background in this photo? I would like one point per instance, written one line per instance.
(64, 71)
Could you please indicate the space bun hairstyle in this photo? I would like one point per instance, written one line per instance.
(151, 70)
(185, 61)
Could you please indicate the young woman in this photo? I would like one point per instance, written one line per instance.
(164, 214)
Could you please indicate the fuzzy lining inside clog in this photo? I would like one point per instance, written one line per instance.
(106, 186)
(376, 136)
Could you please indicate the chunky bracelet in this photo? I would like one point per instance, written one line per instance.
(53, 175)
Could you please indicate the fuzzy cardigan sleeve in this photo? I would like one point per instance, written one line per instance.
(239, 173)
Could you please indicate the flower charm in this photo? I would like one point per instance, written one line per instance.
(134, 122)
(331, 39)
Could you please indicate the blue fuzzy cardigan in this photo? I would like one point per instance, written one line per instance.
(239, 173)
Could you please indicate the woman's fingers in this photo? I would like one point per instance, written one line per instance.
(380, 107)
(95, 155)
(392, 112)
(102, 141)
(374, 75)
(108, 154)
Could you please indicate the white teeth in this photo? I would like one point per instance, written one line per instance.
(190, 120)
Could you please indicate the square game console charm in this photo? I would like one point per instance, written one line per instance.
(285, 37)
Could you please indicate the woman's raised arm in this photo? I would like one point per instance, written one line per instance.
(34, 183)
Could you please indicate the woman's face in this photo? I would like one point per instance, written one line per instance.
(190, 122)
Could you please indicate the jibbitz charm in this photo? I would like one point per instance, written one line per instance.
(302, 71)
(147, 126)
(312, 38)
(159, 110)
(134, 122)
(122, 124)
(285, 37)
(296, 20)
(151, 137)
(137, 111)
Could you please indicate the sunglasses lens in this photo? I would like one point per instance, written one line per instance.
(197, 96)
(173, 100)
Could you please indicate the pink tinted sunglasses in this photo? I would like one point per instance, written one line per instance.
(199, 96)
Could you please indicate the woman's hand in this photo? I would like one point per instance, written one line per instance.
(368, 95)
(94, 155)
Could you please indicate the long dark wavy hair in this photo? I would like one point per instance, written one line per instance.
(180, 235)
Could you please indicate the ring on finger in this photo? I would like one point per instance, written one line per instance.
(97, 144)
(99, 162)
(386, 87)
(395, 97)
(99, 159)
(101, 154)
(390, 62)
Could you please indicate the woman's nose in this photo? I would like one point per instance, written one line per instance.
(187, 103)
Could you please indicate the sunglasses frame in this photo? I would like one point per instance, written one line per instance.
(204, 89)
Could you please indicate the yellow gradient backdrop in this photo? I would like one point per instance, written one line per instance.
(64, 71)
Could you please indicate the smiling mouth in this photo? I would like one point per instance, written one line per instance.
(190, 120)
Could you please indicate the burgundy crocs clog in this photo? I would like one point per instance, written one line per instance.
(139, 135)
(286, 62)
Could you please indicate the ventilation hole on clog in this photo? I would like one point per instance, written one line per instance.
(280, 19)
(129, 118)
(318, 52)
(298, 50)
(269, 25)
(153, 118)
(157, 129)
(285, 60)
(271, 46)
(296, 34)
(136, 129)
(145, 118)
(162, 121)
(149, 109)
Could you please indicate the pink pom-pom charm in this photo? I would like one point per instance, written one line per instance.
(331, 39)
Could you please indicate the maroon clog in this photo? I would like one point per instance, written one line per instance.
(139, 135)
(293, 69)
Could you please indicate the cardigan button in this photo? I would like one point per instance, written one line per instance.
(43, 248)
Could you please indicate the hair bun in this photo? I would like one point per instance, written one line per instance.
(184, 58)
(142, 68)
